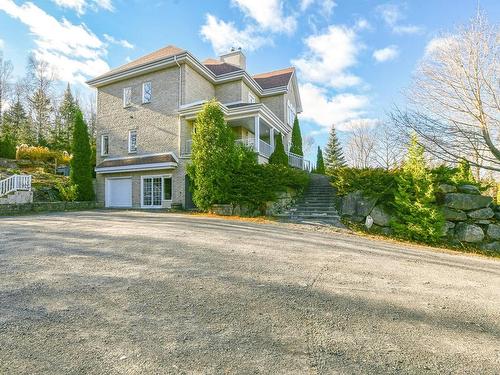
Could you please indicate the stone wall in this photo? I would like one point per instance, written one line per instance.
(16, 209)
(470, 218)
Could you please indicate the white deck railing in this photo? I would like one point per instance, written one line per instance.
(265, 148)
(15, 183)
(248, 142)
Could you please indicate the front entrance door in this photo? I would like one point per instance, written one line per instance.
(188, 204)
(152, 192)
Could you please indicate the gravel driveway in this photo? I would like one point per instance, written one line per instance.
(116, 292)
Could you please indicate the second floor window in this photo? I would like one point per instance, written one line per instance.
(127, 96)
(251, 98)
(104, 145)
(147, 92)
(132, 141)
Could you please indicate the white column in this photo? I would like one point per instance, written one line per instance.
(257, 133)
(271, 138)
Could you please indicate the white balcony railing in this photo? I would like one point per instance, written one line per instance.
(265, 148)
(295, 160)
(248, 142)
(15, 183)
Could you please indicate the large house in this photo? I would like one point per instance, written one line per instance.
(145, 118)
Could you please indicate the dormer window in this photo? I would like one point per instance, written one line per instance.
(147, 92)
(291, 113)
(127, 97)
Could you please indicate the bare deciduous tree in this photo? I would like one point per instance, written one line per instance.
(455, 98)
(360, 148)
(6, 69)
(389, 147)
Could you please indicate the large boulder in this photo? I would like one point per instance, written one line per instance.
(468, 189)
(466, 202)
(365, 206)
(469, 232)
(493, 231)
(447, 228)
(454, 215)
(349, 203)
(380, 216)
(445, 188)
(492, 246)
(482, 213)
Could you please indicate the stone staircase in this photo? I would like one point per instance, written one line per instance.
(317, 205)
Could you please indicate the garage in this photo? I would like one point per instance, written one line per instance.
(119, 192)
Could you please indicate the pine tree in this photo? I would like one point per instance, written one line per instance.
(334, 157)
(63, 127)
(417, 216)
(296, 146)
(81, 173)
(212, 156)
(279, 156)
(320, 164)
(16, 122)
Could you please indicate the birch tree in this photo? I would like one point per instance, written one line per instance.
(455, 98)
(6, 69)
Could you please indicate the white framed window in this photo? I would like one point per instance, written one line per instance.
(251, 98)
(291, 113)
(127, 97)
(156, 191)
(147, 92)
(132, 141)
(104, 145)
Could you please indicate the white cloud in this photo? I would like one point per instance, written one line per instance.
(121, 42)
(329, 56)
(304, 4)
(224, 35)
(341, 109)
(362, 24)
(74, 51)
(327, 7)
(81, 6)
(386, 54)
(2, 44)
(392, 16)
(268, 15)
(439, 44)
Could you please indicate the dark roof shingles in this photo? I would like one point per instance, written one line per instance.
(148, 159)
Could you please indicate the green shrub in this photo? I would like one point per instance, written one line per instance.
(43, 154)
(417, 216)
(296, 146)
(320, 164)
(67, 191)
(375, 183)
(279, 156)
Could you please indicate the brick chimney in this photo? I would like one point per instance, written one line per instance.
(235, 57)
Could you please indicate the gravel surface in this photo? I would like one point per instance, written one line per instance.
(117, 292)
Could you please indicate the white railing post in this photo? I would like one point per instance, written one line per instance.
(257, 133)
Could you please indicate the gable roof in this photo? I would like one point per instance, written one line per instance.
(276, 78)
(160, 54)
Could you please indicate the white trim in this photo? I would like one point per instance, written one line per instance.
(102, 144)
(251, 98)
(143, 156)
(138, 167)
(130, 132)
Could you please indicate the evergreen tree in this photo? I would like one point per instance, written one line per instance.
(296, 146)
(16, 123)
(63, 126)
(320, 164)
(417, 216)
(212, 156)
(334, 157)
(279, 156)
(81, 173)
(463, 174)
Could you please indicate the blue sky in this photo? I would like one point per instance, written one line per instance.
(354, 58)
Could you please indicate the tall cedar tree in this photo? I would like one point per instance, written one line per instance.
(417, 216)
(278, 156)
(334, 156)
(63, 129)
(320, 164)
(81, 173)
(296, 146)
(212, 157)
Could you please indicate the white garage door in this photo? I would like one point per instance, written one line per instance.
(119, 192)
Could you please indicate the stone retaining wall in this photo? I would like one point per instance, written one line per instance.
(16, 209)
(471, 218)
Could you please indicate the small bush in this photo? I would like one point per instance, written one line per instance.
(43, 154)
(67, 191)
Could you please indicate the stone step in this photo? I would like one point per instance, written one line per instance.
(331, 210)
(313, 215)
